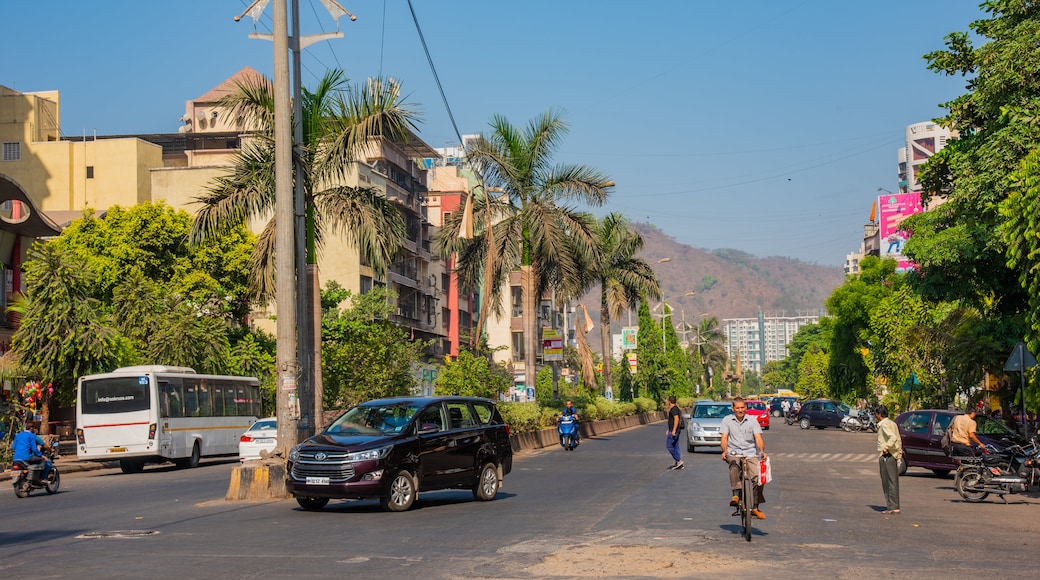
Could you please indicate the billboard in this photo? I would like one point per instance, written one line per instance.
(892, 210)
(628, 337)
(552, 344)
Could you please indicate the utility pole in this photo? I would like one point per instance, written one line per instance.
(307, 385)
(288, 401)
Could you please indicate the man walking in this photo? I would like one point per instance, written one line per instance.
(672, 433)
(890, 448)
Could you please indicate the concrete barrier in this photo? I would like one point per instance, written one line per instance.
(257, 481)
(551, 436)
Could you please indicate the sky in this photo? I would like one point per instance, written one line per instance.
(764, 126)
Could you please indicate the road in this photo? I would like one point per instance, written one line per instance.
(610, 508)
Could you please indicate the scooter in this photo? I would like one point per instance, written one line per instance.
(568, 427)
(27, 477)
(979, 476)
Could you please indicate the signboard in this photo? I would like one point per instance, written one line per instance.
(631, 356)
(892, 210)
(628, 337)
(552, 344)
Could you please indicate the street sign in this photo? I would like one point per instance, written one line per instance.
(628, 337)
(552, 344)
(1020, 359)
(911, 383)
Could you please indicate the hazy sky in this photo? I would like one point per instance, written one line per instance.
(758, 125)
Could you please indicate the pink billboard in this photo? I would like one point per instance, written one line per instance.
(892, 210)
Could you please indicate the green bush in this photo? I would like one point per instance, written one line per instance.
(521, 417)
(590, 413)
(549, 415)
(644, 405)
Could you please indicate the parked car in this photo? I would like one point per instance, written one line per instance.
(703, 424)
(392, 449)
(760, 411)
(776, 405)
(822, 413)
(921, 433)
(261, 436)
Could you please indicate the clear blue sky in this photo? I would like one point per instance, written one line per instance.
(758, 125)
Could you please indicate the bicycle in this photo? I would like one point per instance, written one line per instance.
(747, 500)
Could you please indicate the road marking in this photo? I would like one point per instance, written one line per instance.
(829, 457)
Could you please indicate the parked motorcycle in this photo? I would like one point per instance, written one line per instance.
(1000, 474)
(568, 428)
(27, 477)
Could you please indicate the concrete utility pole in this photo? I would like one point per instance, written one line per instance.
(285, 287)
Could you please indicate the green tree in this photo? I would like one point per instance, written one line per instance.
(63, 332)
(964, 252)
(709, 351)
(529, 219)
(852, 305)
(365, 355)
(812, 374)
(620, 276)
(473, 376)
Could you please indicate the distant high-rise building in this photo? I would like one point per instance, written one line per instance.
(765, 338)
(922, 141)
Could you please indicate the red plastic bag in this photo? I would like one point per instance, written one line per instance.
(765, 472)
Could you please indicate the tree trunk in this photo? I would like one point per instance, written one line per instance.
(314, 305)
(605, 342)
(528, 288)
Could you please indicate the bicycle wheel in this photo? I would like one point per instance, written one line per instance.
(746, 502)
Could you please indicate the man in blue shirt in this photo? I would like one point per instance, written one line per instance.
(570, 410)
(26, 449)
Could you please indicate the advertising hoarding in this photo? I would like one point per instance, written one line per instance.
(892, 210)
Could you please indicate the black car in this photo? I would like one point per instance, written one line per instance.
(392, 449)
(921, 433)
(822, 413)
(776, 404)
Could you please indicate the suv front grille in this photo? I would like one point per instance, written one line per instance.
(335, 466)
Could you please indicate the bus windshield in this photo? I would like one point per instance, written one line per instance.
(115, 395)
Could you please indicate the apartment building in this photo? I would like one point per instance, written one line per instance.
(764, 338)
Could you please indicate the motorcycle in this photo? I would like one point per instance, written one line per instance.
(568, 428)
(27, 477)
(1001, 474)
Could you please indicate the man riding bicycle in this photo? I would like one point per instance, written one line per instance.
(742, 437)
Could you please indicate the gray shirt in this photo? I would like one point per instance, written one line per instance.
(741, 435)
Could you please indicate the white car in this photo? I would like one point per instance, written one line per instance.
(261, 436)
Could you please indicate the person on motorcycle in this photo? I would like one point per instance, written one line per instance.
(569, 409)
(962, 435)
(27, 449)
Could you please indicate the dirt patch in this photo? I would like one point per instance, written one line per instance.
(641, 561)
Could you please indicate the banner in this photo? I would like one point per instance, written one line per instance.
(552, 344)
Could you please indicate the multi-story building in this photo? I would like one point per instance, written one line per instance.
(47, 179)
(764, 338)
(922, 141)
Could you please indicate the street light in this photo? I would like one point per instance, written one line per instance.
(885, 190)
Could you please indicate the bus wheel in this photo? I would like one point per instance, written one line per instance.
(193, 461)
(131, 465)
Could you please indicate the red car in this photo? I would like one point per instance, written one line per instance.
(759, 410)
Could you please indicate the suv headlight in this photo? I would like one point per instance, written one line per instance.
(294, 453)
(695, 425)
(369, 455)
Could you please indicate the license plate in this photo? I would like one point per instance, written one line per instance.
(317, 481)
(117, 450)
(264, 440)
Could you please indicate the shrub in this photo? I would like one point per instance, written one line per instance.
(644, 405)
(548, 416)
(590, 413)
(521, 417)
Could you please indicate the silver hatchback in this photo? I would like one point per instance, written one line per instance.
(703, 424)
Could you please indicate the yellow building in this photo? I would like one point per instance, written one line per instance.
(47, 180)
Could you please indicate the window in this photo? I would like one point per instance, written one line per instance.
(12, 151)
(431, 417)
(460, 414)
(366, 284)
(90, 172)
(941, 423)
(916, 423)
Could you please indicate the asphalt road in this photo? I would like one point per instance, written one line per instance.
(608, 509)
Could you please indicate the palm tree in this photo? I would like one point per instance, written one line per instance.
(532, 228)
(339, 124)
(709, 348)
(621, 276)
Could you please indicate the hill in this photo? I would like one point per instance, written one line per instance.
(727, 283)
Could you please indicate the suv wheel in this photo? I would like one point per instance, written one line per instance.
(486, 487)
(804, 423)
(402, 493)
(312, 504)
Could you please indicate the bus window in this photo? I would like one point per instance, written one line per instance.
(230, 408)
(115, 395)
(205, 404)
(173, 398)
(191, 398)
(218, 400)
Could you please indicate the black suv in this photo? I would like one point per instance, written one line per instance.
(392, 449)
(822, 413)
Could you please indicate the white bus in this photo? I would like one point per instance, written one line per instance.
(152, 414)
